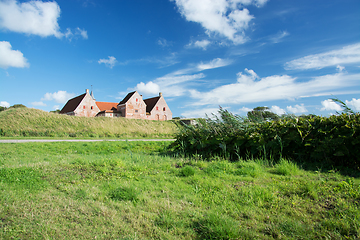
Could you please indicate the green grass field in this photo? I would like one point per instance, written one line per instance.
(29, 122)
(133, 190)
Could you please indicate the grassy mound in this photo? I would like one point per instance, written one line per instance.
(29, 122)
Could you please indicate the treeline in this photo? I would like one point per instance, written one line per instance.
(13, 106)
(331, 140)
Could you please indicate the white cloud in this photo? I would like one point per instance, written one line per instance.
(200, 113)
(4, 104)
(176, 85)
(329, 105)
(297, 108)
(78, 32)
(340, 68)
(245, 109)
(277, 110)
(354, 103)
(163, 62)
(251, 88)
(227, 18)
(178, 82)
(82, 32)
(148, 88)
(199, 44)
(346, 55)
(278, 37)
(11, 58)
(164, 43)
(56, 107)
(108, 62)
(34, 17)
(59, 96)
(38, 104)
(215, 63)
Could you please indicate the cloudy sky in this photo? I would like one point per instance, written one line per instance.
(291, 56)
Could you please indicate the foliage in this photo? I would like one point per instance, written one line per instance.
(129, 190)
(330, 140)
(260, 114)
(18, 106)
(344, 106)
(55, 111)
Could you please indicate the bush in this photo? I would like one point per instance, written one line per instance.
(330, 140)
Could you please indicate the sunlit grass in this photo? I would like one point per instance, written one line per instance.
(28, 122)
(132, 190)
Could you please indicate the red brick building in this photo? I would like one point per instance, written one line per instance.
(132, 106)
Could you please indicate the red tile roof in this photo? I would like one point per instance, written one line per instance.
(106, 106)
(72, 104)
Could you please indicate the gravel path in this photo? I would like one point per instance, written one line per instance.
(82, 140)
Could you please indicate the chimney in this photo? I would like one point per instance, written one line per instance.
(87, 91)
(160, 94)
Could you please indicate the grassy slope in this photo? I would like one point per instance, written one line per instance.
(33, 122)
(126, 190)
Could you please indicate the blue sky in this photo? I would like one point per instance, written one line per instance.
(291, 56)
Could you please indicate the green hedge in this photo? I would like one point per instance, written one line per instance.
(331, 140)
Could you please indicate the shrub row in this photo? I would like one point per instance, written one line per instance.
(330, 140)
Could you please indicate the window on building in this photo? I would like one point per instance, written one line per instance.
(136, 110)
(157, 108)
(92, 107)
(84, 107)
(137, 100)
(164, 109)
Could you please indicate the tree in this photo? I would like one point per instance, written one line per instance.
(260, 114)
(2, 108)
(18, 106)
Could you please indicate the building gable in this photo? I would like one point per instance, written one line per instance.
(128, 96)
(151, 103)
(132, 106)
(72, 104)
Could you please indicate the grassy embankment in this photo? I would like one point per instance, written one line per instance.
(129, 190)
(28, 122)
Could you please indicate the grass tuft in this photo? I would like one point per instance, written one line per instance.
(123, 194)
(187, 171)
(215, 226)
(286, 168)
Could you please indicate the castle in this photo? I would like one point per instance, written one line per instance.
(132, 106)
